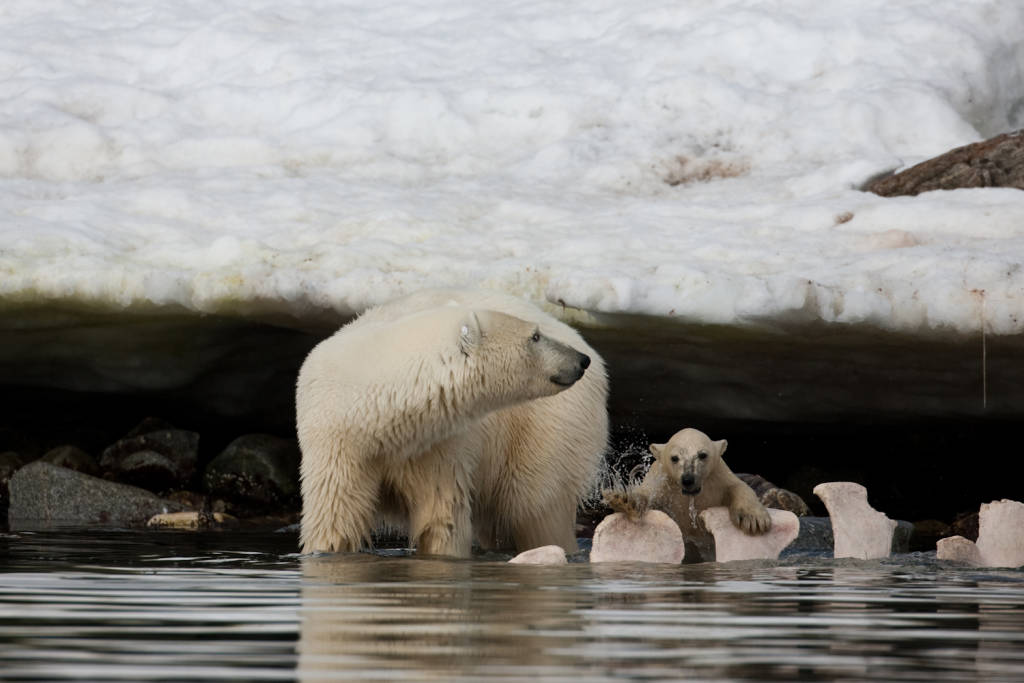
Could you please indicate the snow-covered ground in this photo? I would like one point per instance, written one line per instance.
(671, 157)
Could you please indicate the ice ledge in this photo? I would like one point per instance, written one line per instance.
(661, 367)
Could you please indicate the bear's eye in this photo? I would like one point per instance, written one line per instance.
(675, 458)
(702, 455)
(535, 337)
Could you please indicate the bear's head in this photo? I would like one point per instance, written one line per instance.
(516, 358)
(688, 457)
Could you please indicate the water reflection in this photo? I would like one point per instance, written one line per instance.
(145, 606)
(431, 619)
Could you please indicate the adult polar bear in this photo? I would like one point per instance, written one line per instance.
(450, 412)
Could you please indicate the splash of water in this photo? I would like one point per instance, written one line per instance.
(693, 511)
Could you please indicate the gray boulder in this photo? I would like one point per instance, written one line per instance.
(42, 493)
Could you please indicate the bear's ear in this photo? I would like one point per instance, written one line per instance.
(655, 449)
(721, 445)
(470, 333)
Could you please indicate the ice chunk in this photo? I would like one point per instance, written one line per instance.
(859, 530)
(545, 554)
(654, 538)
(732, 544)
(1000, 538)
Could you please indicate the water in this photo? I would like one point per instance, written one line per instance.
(118, 605)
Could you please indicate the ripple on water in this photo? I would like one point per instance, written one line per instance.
(169, 605)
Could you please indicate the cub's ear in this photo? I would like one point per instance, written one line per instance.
(470, 333)
(655, 449)
(721, 445)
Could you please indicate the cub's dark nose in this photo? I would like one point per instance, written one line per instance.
(687, 481)
(584, 361)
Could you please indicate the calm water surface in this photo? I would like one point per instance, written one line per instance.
(129, 605)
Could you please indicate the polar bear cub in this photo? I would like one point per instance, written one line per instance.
(449, 413)
(688, 476)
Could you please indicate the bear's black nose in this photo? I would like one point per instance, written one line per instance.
(687, 480)
(584, 361)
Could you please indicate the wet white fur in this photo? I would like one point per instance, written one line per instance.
(718, 485)
(432, 412)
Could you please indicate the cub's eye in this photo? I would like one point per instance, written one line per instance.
(702, 455)
(535, 336)
(675, 458)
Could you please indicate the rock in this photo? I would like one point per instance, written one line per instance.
(771, 496)
(815, 535)
(189, 520)
(149, 425)
(18, 441)
(732, 544)
(959, 549)
(158, 461)
(72, 457)
(151, 470)
(858, 529)
(546, 554)
(189, 499)
(996, 162)
(1000, 538)
(965, 524)
(902, 535)
(10, 462)
(42, 493)
(926, 532)
(654, 538)
(257, 470)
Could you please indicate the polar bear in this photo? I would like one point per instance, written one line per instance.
(450, 413)
(688, 476)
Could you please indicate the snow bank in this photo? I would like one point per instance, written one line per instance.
(689, 159)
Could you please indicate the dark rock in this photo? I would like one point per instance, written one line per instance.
(160, 460)
(149, 425)
(18, 441)
(816, 536)
(190, 499)
(996, 162)
(927, 533)
(10, 462)
(772, 496)
(256, 470)
(901, 536)
(150, 470)
(965, 524)
(42, 493)
(72, 457)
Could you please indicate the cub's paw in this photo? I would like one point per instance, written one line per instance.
(751, 520)
(629, 502)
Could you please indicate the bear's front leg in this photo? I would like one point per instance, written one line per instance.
(441, 524)
(747, 513)
(436, 488)
(632, 501)
(339, 499)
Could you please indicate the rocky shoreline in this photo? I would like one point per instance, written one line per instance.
(155, 468)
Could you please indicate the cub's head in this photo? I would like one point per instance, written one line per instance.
(688, 457)
(517, 357)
